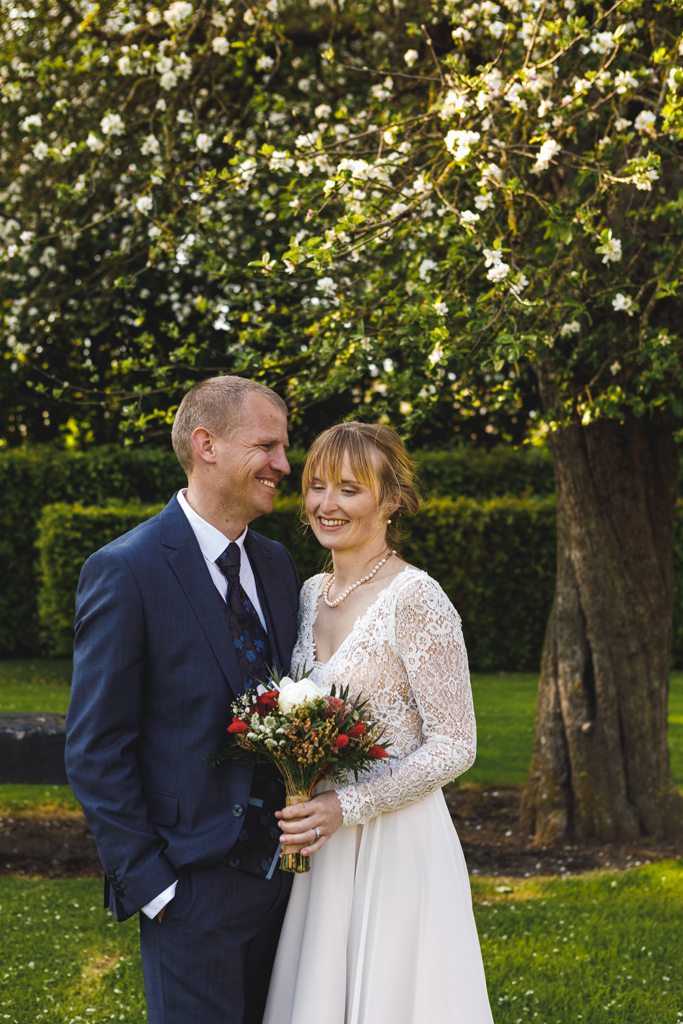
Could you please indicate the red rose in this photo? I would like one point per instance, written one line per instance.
(266, 703)
(237, 726)
(377, 751)
(357, 731)
(341, 741)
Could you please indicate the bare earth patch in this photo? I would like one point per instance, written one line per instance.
(58, 843)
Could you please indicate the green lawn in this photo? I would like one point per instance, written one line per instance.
(505, 704)
(596, 949)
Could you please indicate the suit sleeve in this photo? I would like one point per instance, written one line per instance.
(103, 728)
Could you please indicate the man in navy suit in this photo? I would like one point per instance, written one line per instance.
(156, 669)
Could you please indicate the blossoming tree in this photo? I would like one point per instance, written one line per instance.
(382, 199)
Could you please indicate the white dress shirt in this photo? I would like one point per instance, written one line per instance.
(212, 544)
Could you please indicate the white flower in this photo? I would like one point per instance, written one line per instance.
(624, 81)
(27, 236)
(425, 268)
(645, 122)
(496, 28)
(571, 328)
(32, 119)
(611, 250)
(40, 150)
(436, 355)
(520, 282)
(124, 65)
(492, 257)
(327, 286)
(453, 103)
(543, 107)
(250, 16)
(164, 64)
(468, 217)
(221, 45)
(663, 338)
(548, 150)
(491, 174)
(168, 80)
(643, 179)
(184, 117)
(112, 124)
(153, 17)
(622, 123)
(304, 167)
(293, 695)
(160, 104)
(382, 91)
(440, 308)
(153, 231)
(144, 204)
(322, 111)
(459, 142)
(410, 56)
(602, 42)
(484, 202)
(498, 271)
(264, 63)
(388, 365)
(247, 170)
(150, 144)
(93, 143)
(397, 208)
(623, 302)
(615, 367)
(307, 141)
(204, 142)
(280, 160)
(177, 13)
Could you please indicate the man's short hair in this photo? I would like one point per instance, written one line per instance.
(216, 404)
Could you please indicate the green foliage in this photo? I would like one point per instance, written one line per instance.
(479, 552)
(476, 473)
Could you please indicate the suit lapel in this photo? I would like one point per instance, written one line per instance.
(189, 566)
(266, 586)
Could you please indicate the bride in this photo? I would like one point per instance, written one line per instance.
(381, 930)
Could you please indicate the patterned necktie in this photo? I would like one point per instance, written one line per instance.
(258, 841)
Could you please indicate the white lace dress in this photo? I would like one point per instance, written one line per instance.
(381, 930)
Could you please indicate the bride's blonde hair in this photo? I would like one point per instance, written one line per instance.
(378, 459)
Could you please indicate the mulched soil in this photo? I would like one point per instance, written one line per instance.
(487, 821)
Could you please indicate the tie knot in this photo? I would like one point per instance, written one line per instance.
(229, 561)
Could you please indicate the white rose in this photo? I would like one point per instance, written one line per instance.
(293, 695)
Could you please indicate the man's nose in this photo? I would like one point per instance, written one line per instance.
(280, 462)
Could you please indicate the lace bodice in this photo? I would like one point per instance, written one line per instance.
(407, 655)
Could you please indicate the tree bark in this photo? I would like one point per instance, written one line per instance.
(600, 767)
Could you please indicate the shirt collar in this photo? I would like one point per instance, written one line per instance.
(211, 541)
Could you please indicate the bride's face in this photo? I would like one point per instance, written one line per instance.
(343, 514)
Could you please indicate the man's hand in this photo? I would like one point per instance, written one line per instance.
(299, 822)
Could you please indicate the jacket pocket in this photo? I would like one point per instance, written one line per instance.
(163, 807)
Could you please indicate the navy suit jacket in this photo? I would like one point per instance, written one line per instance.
(154, 676)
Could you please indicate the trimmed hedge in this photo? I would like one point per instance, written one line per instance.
(31, 478)
(495, 560)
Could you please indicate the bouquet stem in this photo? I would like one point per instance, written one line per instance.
(291, 858)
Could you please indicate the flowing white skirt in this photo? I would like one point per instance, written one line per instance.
(381, 930)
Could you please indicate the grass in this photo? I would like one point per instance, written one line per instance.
(597, 949)
(505, 705)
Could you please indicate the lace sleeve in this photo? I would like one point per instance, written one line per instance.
(427, 637)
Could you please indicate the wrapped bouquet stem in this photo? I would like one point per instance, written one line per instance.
(309, 736)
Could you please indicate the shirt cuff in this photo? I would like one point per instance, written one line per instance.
(159, 902)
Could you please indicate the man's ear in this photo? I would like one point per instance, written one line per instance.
(203, 442)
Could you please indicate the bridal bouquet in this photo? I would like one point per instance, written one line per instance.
(308, 735)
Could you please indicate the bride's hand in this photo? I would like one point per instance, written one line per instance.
(298, 822)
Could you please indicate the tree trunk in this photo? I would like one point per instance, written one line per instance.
(600, 767)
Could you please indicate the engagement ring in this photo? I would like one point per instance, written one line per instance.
(317, 832)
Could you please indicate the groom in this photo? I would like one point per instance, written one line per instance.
(173, 621)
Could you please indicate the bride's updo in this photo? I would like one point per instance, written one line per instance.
(379, 461)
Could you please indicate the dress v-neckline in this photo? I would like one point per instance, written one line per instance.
(360, 618)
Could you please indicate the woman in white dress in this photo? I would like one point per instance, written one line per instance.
(381, 930)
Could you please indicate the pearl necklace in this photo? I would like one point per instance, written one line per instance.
(363, 579)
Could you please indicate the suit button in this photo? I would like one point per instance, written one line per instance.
(238, 810)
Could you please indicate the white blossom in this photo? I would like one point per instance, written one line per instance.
(388, 365)
(645, 122)
(40, 150)
(144, 204)
(497, 28)
(623, 302)
(382, 91)
(498, 271)
(112, 124)
(184, 117)
(93, 143)
(124, 65)
(440, 308)
(264, 63)
(484, 202)
(150, 145)
(615, 367)
(397, 208)
(643, 178)
(459, 143)
(611, 250)
(250, 16)
(624, 81)
(574, 327)
(280, 160)
(663, 338)
(33, 119)
(307, 141)
(204, 142)
(622, 123)
(322, 111)
(425, 268)
(305, 167)
(410, 57)
(454, 103)
(468, 217)
(492, 174)
(153, 17)
(602, 42)
(164, 64)
(153, 231)
(548, 150)
(177, 13)
(247, 170)
(327, 286)
(221, 45)
(168, 80)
